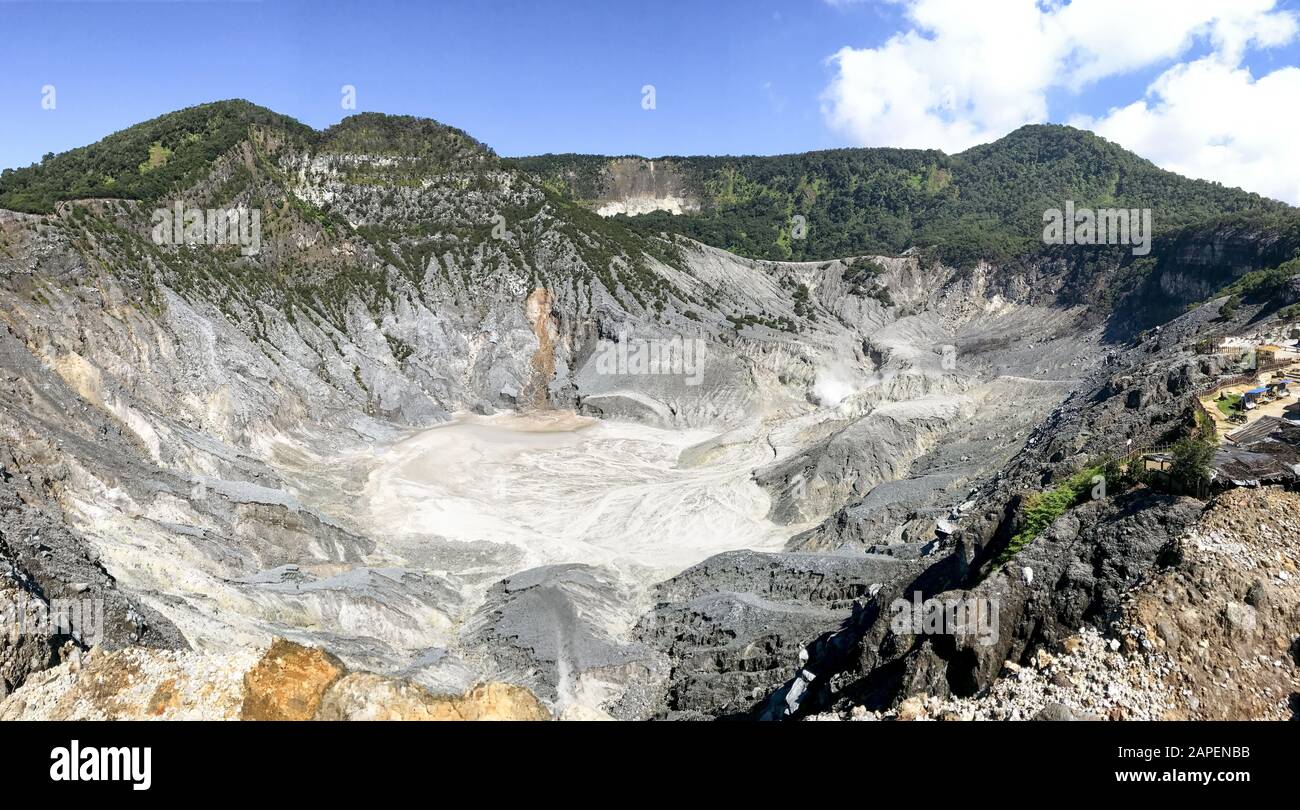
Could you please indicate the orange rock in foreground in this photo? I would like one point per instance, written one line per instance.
(366, 696)
(287, 684)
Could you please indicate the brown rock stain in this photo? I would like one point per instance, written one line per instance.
(537, 309)
(165, 697)
(293, 682)
(367, 696)
(106, 678)
(287, 684)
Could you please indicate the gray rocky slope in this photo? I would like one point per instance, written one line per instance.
(188, 433)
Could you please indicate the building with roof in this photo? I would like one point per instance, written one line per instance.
(1267, 451)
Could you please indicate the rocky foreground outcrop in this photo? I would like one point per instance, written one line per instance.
(285, 682)
(1214, 634)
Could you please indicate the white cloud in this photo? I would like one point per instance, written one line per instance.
(967, 73)
(1215, 121)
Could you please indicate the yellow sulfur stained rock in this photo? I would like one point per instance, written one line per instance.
(366, 696)
(287, 684)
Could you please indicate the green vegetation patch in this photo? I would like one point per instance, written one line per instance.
(1042, 508)
(1261, 284)
(158, 156)
(143, 162)
(1228, 405)
(985, 203)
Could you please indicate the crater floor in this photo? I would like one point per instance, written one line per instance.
(562, 488)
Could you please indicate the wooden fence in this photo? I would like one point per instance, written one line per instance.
(1239, 379)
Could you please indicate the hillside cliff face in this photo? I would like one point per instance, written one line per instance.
(193, 428)
(634, 186)
(629, 186)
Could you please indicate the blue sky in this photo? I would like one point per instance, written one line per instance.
(730, 76)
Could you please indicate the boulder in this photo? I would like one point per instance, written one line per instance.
(288, 683)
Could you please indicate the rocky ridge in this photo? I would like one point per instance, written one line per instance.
(1212, 636)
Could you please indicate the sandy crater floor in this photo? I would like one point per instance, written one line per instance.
(563, 488)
